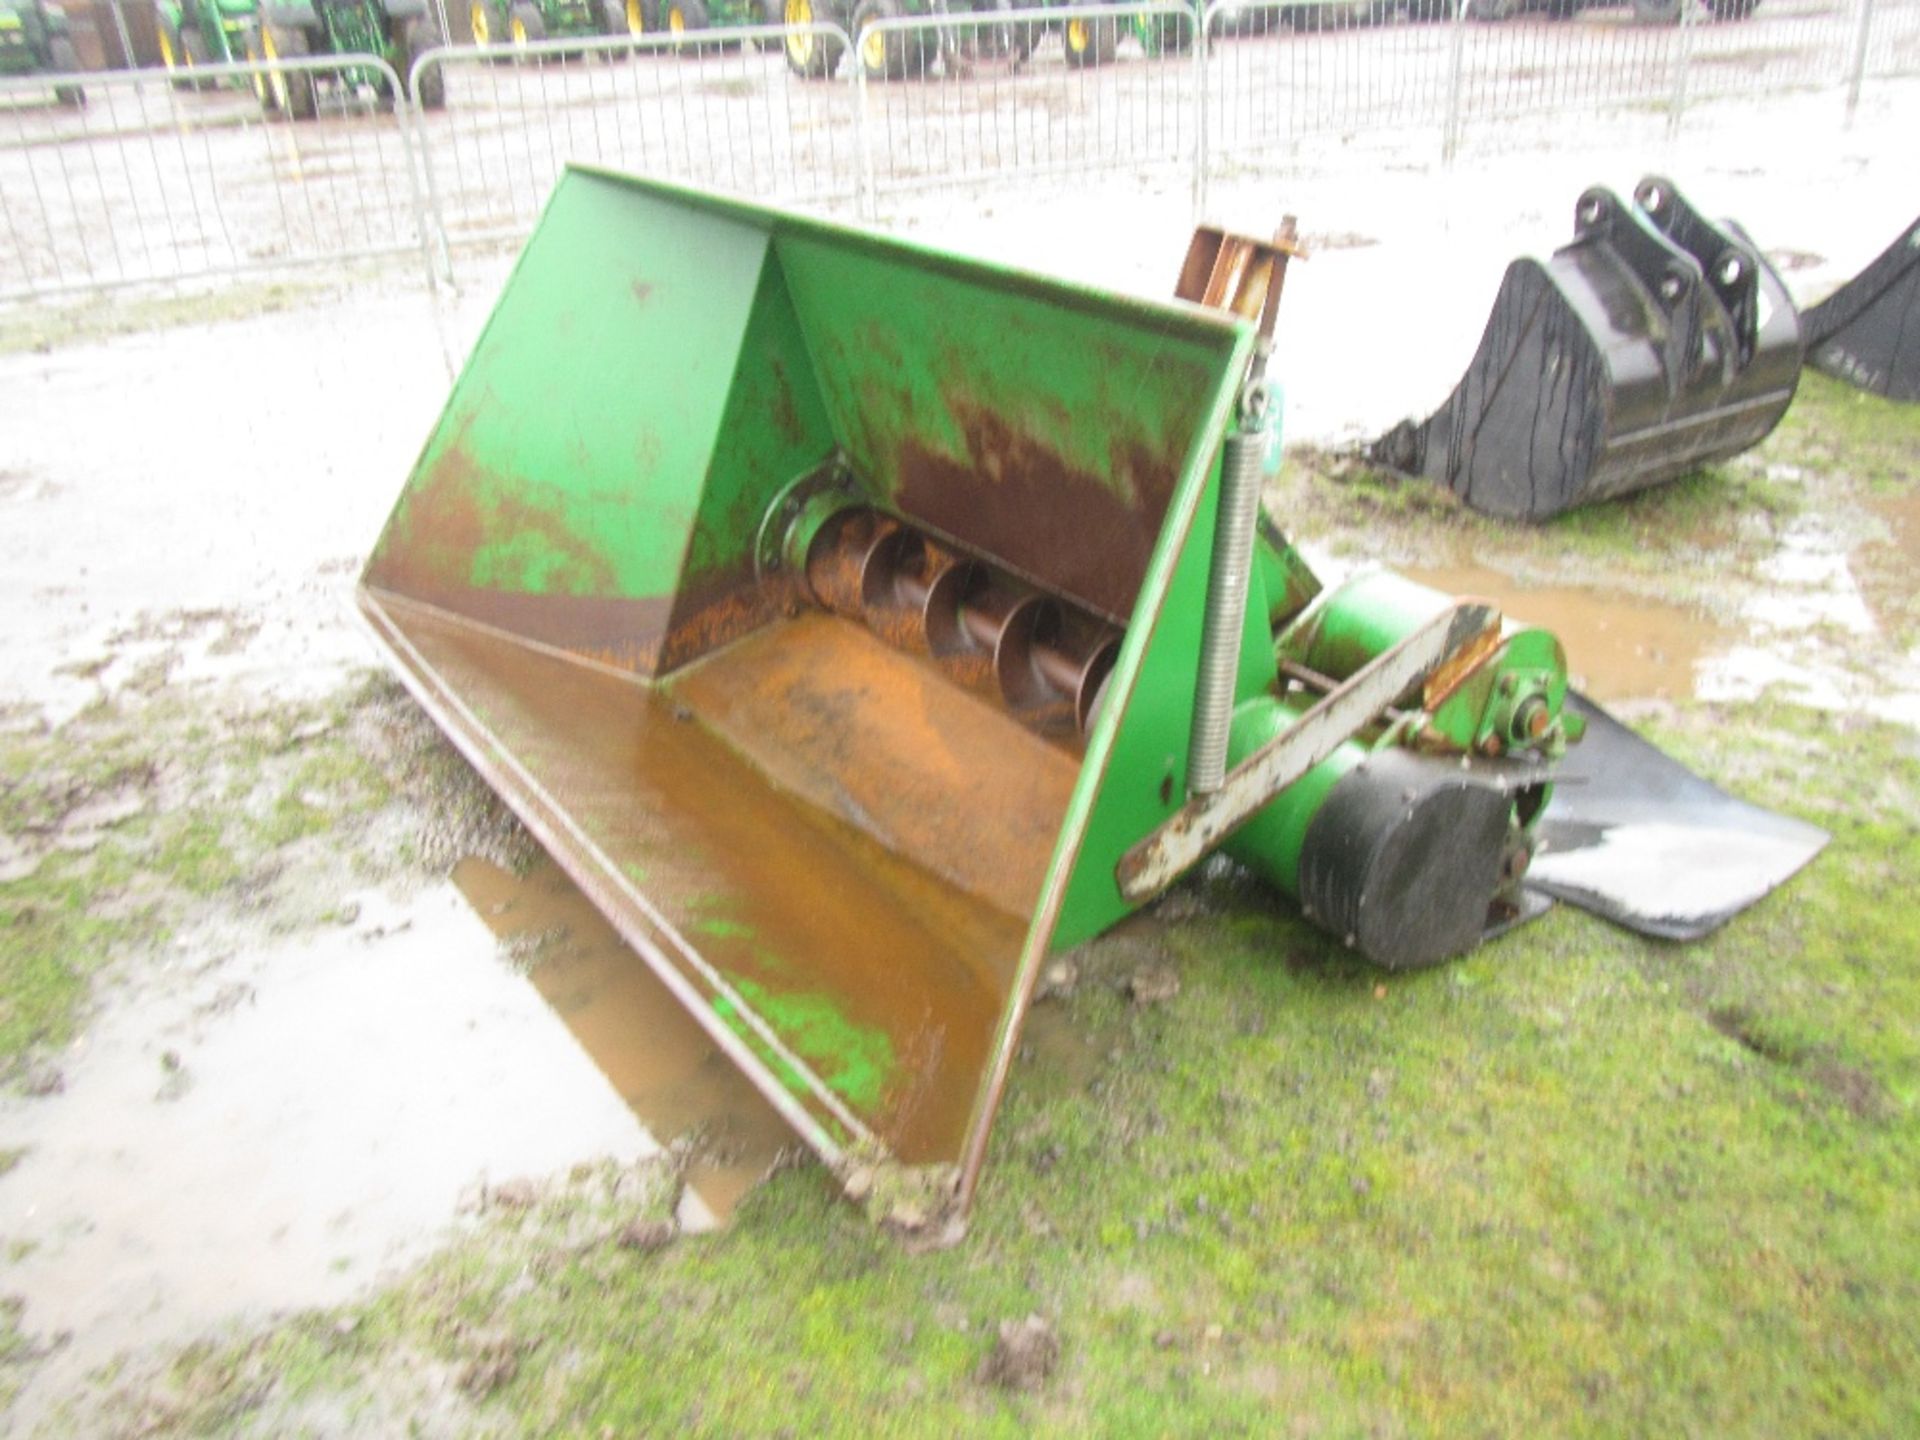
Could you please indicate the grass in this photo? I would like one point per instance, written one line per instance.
(148, 811)
(1577, 1183)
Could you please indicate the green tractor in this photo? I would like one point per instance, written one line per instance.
(399, 31)
(678, 17)
(523, 22)
(34, 40)
(193, 33)
(903, 54)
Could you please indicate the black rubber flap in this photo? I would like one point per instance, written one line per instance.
(1637, 838)
(1868, 331)
(1404, 858)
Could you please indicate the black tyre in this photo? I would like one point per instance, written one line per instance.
(526, 26)
(416, 39)
(772, 12)
(67, 61)
(1090, 42)
(1165, 34)
(1658, 12)
(813, 57)
(687, 17)
(487, 22)
(292, 90)
(255, 54)
(1731, 9)
(889, 54)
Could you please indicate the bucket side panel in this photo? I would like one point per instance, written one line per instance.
(1046, 429)
(880, 982)
(775, 428)
(556, 497)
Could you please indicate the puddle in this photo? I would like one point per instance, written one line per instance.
(1619, 647)
(276, 1129)
(673, 1077)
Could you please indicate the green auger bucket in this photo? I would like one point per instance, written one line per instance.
(859, 625)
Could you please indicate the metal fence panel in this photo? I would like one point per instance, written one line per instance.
(150, 179)
(970, 95)
(1893, 37)
(720, 108)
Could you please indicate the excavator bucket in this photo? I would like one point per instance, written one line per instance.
(1654, 343)
(858, 625)
(1868, 331)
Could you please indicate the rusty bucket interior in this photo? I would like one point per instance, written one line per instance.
(843, 831)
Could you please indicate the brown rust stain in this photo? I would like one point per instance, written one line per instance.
(667, 1069)
(1019, 502)
(884, 740)
(772, 890)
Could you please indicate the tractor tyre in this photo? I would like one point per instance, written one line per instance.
(613, 24)
(809, 55)
(67, 62)
(1658, 12)
(1731, 9)
(526, 26)
(293, 93)
(173, 55)
(683, 18)
(416, 39)
(772, 12)
(1164, 34)
(487, 23)
(1090, 42)
(255, 54)
(1492, 10)
(193, 45)
(889, 54)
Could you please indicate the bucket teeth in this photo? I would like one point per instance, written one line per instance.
(1654, 343)
(1868, 331)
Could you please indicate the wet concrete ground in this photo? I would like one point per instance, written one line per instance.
(254, 1122)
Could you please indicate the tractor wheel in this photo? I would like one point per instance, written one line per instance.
(525, 26)
(1658, 12)
(487, 23)
(1492, 10)
(292, 89)
(255, 54)
(888, 54)
(809, 55)
(416, 39)
(194, 46)
(1164, 34)
(683, 18)
(772, 12)
(613, 23)
(1731, 9)
(67, 61)
(173, 55)
(1090, 42)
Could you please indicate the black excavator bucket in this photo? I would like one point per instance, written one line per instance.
(1655, 342)
(1868, 331)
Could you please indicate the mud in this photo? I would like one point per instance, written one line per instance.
(253, 1128)
(1619, 647)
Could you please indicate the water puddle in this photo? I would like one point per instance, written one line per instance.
(247, 1130)
(673, 1077)
(1619, 647)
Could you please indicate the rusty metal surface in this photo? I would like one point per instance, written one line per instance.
(746, 899)
(836, 716)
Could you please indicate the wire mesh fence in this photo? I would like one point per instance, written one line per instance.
(118, 177)
(158, 177)
(725, 109)
(970, 95)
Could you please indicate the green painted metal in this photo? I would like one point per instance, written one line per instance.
(588, 579)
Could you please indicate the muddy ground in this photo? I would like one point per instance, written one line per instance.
(332, 1108)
